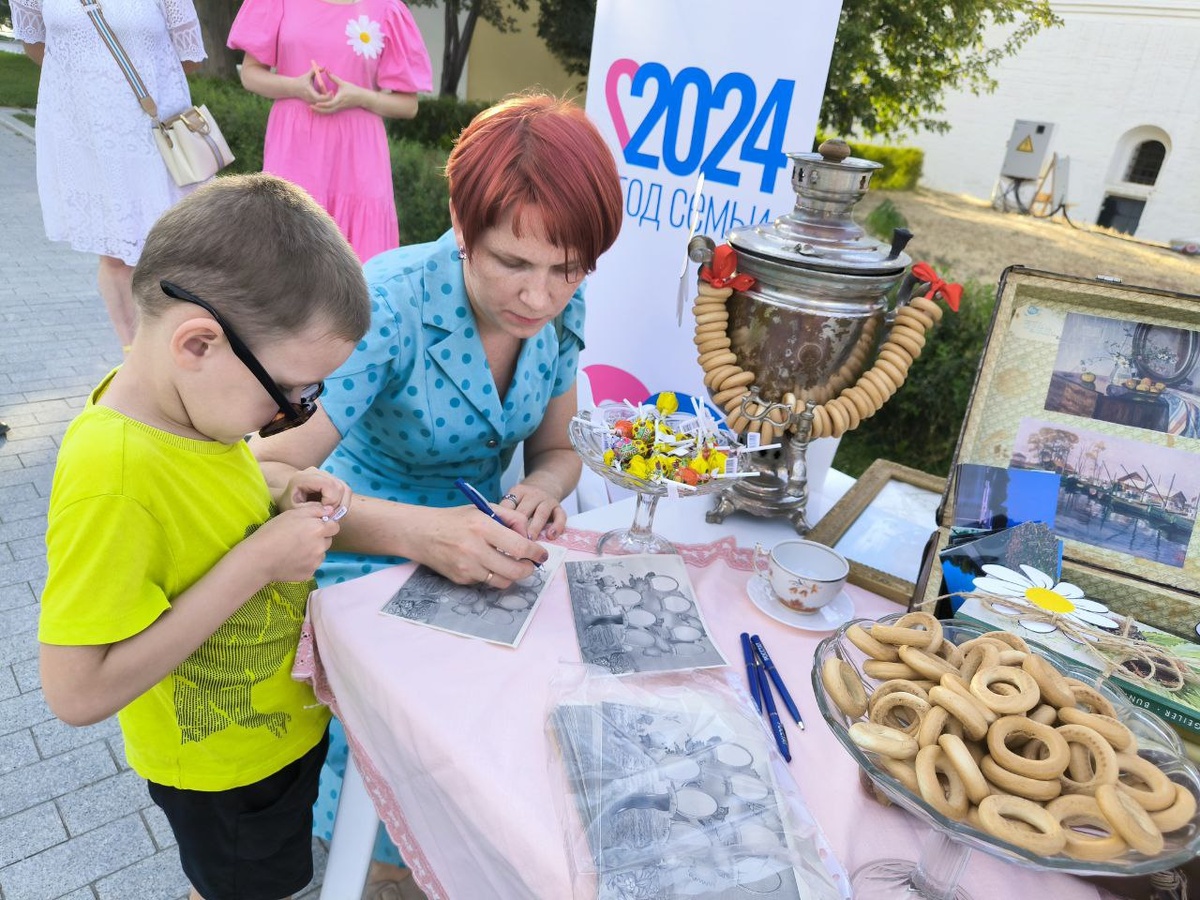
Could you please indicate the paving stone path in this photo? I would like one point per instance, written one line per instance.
(75, 822)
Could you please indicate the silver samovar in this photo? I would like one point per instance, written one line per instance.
(808, 325)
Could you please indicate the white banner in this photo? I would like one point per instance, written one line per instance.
(683, 89)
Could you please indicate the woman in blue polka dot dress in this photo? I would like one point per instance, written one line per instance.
(473, 349)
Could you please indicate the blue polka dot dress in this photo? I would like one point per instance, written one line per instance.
(417, 407)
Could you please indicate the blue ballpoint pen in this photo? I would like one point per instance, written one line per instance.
(777, 678)
(781, 740)
(477, 500)
(751, 671)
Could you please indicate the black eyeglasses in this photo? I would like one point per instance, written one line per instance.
(290, 414)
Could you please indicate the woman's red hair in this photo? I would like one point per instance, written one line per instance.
(535, 150)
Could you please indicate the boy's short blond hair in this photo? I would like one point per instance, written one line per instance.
(261, 251)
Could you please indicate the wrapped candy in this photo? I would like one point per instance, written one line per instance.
(650, 448)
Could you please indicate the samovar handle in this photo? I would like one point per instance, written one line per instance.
(700, 249)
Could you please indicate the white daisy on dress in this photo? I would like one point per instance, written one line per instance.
(1038, 590)
(365, 37)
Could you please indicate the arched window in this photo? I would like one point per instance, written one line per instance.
(1145, 163)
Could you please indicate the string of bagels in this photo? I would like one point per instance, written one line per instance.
(731, 385)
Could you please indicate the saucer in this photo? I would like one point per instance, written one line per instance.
(832, 615)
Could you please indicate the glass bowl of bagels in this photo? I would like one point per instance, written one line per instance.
(1012, 750)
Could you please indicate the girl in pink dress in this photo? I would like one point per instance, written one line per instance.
(335, 70)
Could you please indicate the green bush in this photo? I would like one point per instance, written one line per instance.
(884, 219)
(241, 115)
(901, 165)
(919, 426)
(422, 195)
(18, 81)
(438, 121)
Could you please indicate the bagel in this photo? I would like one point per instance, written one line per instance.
(899, 634)
(1010, 782)
(1076, 811)
(932, 766)
(896, 684)
(974, 724)
(900, 710)
(844, 687)
(1129, 819)
(1089, 699)
(1025, 699)
(859, 637)
(1053, 764)
(958, 756)
(1144, 782)
(999, 816)
(883, 740)
(1051, 683)
(1093, 760)
(1178, 814)
(1107, 727)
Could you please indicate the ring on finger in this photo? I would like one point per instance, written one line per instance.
(513, 497)
(488, 580)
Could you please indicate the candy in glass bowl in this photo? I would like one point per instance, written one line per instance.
(654, 451)
(1000, 747)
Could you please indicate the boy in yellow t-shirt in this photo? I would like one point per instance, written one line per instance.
(177, 583)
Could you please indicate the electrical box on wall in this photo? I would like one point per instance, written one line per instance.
(1027, 147)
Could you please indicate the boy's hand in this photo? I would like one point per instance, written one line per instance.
(292, 545)
(315, 486)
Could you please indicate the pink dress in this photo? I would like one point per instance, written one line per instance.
(341, 159)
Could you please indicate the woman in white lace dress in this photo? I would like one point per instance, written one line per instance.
(101, 179)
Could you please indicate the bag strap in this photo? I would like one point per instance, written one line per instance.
(109, 37)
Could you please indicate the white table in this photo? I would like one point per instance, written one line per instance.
(679, 520)
(462, 836)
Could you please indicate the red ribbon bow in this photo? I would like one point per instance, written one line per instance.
(722, 271)
(948, 291)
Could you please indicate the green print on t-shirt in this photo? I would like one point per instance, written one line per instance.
(213, 686)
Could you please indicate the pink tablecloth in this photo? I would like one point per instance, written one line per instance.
(449, 734)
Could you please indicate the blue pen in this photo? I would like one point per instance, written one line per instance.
(781, 740)
(751, 671)
(777, 678)
(477, 499)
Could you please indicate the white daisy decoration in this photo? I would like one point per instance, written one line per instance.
(365, 37)
(1040, 591)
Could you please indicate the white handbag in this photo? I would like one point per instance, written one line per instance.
(191, 144)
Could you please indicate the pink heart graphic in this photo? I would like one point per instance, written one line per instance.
(615, 71)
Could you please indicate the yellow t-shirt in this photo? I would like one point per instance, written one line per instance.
(138, 515)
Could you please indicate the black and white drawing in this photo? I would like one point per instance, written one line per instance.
(474, 610)
(639, 614)
(675, 804)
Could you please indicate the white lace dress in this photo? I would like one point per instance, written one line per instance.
(101, 180)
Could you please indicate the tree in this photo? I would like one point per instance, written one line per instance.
(892, 62)
(566, 28)
(216, 18)
(461, 16)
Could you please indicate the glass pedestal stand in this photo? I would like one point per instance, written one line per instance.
(933, 877)
(638, 537)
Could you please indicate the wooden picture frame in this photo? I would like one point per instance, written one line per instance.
(869, 568)
(1066, 384)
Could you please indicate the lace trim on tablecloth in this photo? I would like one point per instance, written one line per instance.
(307, 667)
(725, 549)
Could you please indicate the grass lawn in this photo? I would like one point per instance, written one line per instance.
(18, 81)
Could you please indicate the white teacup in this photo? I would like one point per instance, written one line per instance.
(804, 575)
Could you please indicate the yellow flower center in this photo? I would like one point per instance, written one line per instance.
(1049, 600)
(365, 37)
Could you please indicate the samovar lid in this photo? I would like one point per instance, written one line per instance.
(820, 233)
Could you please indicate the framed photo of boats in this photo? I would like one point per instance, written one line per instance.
(1099, 383)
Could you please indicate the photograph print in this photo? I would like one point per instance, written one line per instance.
(639, 614)
(675, 804)
(1114, 493)
(474, 610)
(1128, 373)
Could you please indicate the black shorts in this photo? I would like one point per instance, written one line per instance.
(252, 842)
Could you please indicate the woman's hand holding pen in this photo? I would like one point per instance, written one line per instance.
(343, 95)
(309, 86)
(470, 548)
